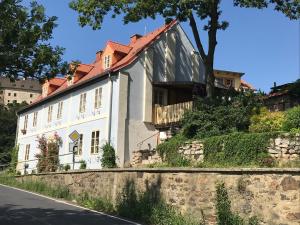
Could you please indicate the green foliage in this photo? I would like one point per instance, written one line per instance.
(292, 119)
(14, 159)
(266, 121)
(48, 159)
(82, 165)
(37, 186)
(148, 207)
(67, 167)
(99, 204)
(8, 126)
(25, 36)
(238, 149)
(211, 117)
(108, 159)
(223, 207)
(168, 151)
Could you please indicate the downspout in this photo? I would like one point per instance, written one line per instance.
(17, 130)
(110, 108)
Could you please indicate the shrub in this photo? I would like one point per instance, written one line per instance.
(67, 167)
(266, 121)
(292, 119)
(211, 117)
(238, 149)
(223, 207)
(82, 165)
(14, 159)
(169, 151)
(108, 159)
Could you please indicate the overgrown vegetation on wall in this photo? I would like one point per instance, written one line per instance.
(223, 208)
(147, 207)
(238, 149)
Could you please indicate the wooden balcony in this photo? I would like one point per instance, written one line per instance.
(164, 115)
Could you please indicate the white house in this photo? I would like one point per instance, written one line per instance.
(117, 99)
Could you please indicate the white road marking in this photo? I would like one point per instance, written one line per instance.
(67, 203)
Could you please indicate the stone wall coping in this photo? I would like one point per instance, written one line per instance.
(184, 170)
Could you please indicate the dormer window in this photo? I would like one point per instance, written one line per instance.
(107, 61)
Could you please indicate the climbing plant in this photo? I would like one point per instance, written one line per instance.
(48, 160)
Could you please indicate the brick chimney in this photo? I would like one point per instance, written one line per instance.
(134, 38)
(98, 55)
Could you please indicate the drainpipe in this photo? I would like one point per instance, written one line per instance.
(110, 108)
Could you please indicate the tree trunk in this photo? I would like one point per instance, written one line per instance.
(210, 81)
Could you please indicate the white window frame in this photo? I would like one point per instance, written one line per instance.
(80, 144)
(82, 103)
(25, 122)
(98, 98)
(35, 115)
(107, 61)
(95, 142)
(50, 110)
(59, 110)
(27, 150)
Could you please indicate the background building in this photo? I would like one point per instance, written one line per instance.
(19, 91)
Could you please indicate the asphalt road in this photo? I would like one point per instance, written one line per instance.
(22, 208)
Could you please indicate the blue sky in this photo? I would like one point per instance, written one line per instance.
(263, 44)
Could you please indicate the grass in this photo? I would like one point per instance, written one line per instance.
(129, 205)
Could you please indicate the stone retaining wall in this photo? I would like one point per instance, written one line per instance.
(271, 194)
(282, 149)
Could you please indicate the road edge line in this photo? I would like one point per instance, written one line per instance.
(74, 205)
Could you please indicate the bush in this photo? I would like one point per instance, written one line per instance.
(223, 207)
(108, 159)
(67, 167)
(238, 149)
(211, 117)
(168, 151)
(292, 119)
(266, 121)
(82, 165)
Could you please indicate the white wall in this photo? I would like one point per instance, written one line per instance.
(71, 120)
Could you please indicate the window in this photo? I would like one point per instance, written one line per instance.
(59, 110)
(98, 95)
(80, 142)
(95, 142)
(31, 87)
(82, 103)
(228, 82)
(31, 95)
(9, 93)
(107, 61)
(35, 114)
(27, 149)
(15, 94)
(22, 85)
(25, 122)
(1, 92)
(50, 109)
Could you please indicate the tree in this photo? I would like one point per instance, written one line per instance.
(92, 13)
(8, 125)
(25, 50)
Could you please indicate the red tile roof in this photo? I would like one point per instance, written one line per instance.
(96, 69)
(247, 85)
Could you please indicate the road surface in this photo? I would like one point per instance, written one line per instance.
(22, 208)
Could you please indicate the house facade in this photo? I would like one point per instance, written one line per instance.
(19, 91)
(115, 99)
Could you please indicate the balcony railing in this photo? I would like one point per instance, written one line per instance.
(171, 113)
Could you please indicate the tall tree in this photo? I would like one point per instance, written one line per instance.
(25, 50)
(92, 13)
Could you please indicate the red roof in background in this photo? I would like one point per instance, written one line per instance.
(57, 81)
(247, 85)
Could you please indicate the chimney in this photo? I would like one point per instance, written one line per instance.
(134, 38)
(98, 55)
(275, 84)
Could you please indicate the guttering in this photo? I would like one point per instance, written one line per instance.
(101, 76)
(110, 107)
